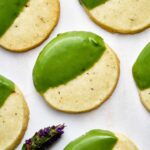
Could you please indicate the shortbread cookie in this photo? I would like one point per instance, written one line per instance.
(122, 16)
(101, 140)
(141, 74)
(31, 27)
(14, 115)
(76, 72)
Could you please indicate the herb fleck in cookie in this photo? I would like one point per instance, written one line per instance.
(14, 115)
(122, 16)
(76, 72)
(27, 23)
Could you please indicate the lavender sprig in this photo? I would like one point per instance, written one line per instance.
(44, 138)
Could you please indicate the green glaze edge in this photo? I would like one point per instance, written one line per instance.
(65, 57)
(9, 11)
(94, 140)
(141, 69)
(6, 88)
(90, 4)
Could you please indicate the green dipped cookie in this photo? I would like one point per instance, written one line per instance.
(141, 74)
(76, 72)
(25, 24)
(14, 115)
(121, 16)
(101, 140)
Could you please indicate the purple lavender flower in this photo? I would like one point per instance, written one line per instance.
(28, 141)
(44, 138)
(44, 132)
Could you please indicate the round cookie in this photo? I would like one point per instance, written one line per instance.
(14, 115)
(141, 74)
(101, 140)
(76, 72)
(33, 25)
(122, 16)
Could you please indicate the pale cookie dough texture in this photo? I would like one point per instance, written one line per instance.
(122, 16)
(124, 143)
(90, 89)
(14, 116)
(145, 98)
(32, 26)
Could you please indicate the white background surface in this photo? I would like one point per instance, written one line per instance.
(123, 112)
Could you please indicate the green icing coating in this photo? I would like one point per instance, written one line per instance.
(6, 88)
(141, 69)
(94, 140)
(90, 4)
(9, 10)
(65, 57)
